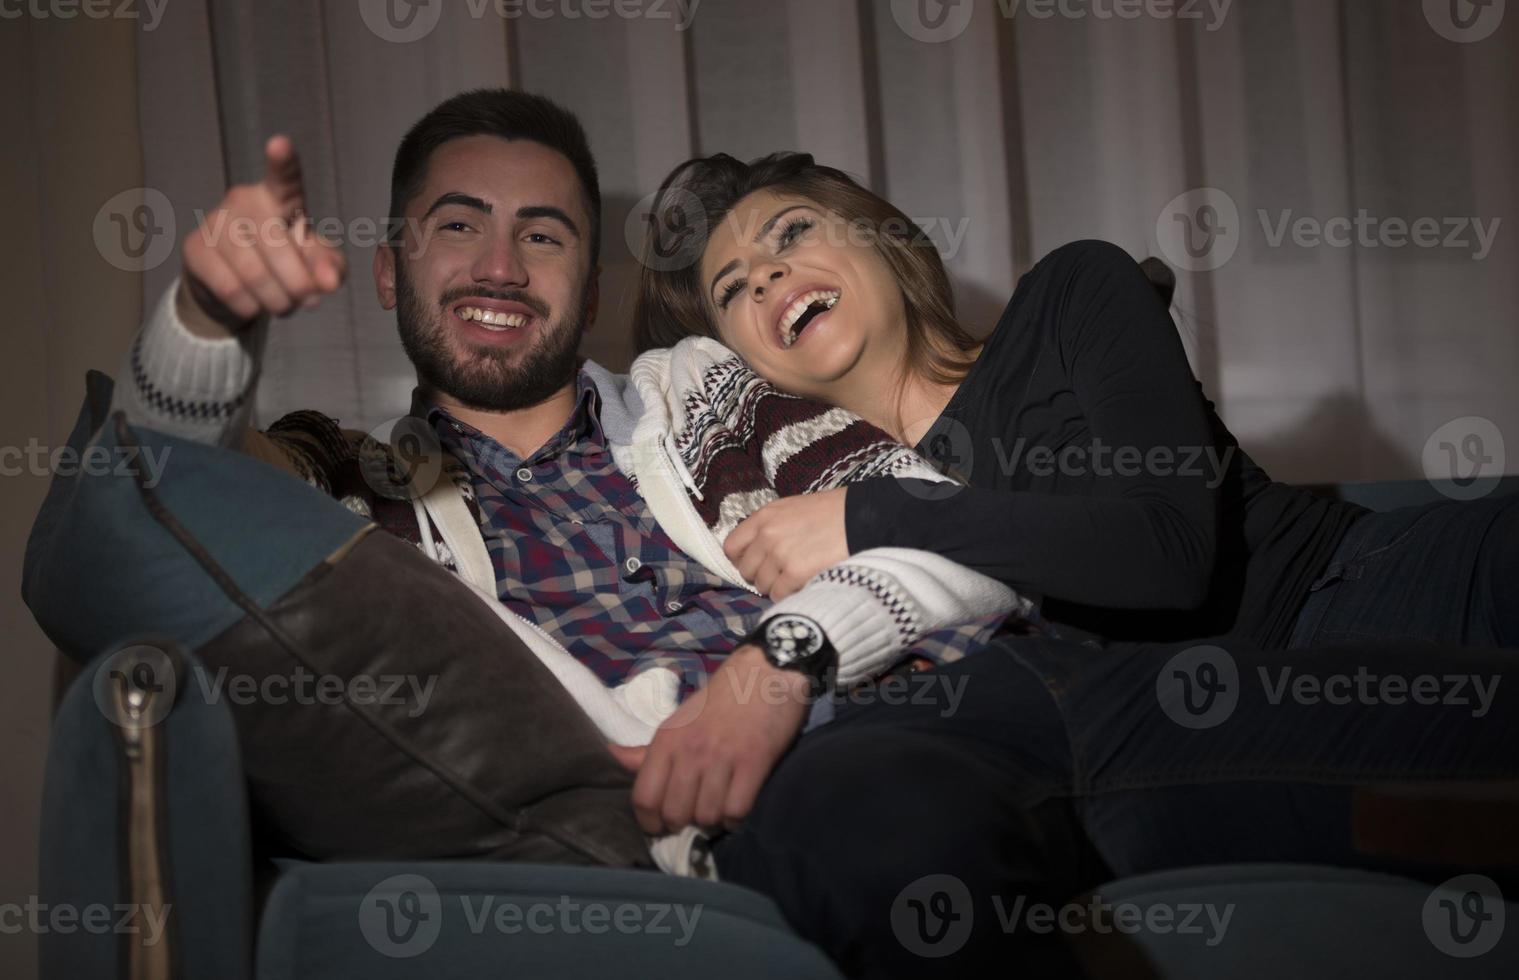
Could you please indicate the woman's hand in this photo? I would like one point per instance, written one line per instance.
(788, 541)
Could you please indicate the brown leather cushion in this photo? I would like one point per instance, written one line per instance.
(460, 743)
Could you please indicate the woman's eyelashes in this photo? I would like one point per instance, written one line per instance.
(789, 233)
(729, 291)
(793, 230)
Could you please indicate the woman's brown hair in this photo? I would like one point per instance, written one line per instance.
(699, 194)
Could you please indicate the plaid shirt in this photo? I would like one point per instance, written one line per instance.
(577, 551)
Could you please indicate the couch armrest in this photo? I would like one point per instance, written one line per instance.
(144, 836)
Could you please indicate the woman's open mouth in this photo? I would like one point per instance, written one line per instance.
(801, 311)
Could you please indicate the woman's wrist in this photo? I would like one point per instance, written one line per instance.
(858, 518)
(872, 511)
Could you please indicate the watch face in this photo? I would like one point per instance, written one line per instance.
(793, 638)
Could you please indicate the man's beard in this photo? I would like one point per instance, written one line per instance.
(485, 378)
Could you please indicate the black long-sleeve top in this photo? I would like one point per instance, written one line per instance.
(1100, 477)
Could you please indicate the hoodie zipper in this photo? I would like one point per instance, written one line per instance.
(713, 558)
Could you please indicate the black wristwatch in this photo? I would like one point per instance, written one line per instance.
(792, 641)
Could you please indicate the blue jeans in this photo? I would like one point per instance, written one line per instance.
(1441, 573)
(1038, 768)
(1205, 753)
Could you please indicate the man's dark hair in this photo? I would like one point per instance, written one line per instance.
(494, 112)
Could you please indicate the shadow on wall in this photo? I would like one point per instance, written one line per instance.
(977, 307)
(609, 341)
(1336, 442)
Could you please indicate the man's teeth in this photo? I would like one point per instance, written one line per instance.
(799, 307)
(491, 318)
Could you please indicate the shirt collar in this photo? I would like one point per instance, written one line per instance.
(581, 432)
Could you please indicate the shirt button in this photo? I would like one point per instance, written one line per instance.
(632, 565)
(525, 475)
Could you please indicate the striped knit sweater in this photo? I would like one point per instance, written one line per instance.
(745, 443)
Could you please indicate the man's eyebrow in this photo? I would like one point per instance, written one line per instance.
(548, 211)
(763, 231)
(456, 197)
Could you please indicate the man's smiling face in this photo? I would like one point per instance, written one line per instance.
(493, 284)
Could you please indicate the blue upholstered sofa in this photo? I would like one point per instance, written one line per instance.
(443, 920)
(166, 821)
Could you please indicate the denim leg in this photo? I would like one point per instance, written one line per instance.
(1494, 605)
(1439, 573)
(1040, 767)
(888, 835)
(1203, 753)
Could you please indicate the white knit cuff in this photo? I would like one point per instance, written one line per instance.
(187, 386)
(856, 614)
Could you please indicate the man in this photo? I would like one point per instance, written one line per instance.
(493, 276)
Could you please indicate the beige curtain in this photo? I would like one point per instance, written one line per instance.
(70, 117)
(1008, 126)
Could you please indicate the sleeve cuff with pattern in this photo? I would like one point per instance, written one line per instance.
(875, 605)
(187, 386)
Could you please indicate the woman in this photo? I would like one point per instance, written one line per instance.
(1065, 765)
(1098, 475)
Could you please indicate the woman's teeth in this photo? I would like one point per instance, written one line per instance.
(491, 319)
(823, 298)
